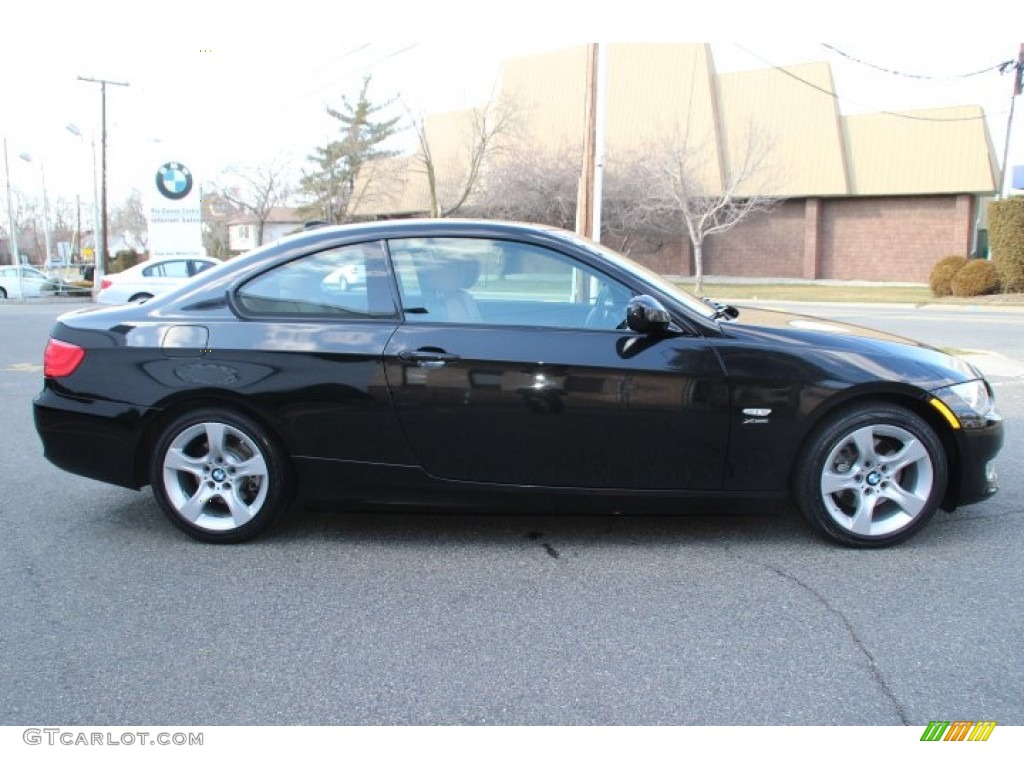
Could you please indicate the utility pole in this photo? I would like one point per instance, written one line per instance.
(1018, 78)
(102, 257)
(585, 197)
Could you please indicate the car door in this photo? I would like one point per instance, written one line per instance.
(512, 366)
(313, 353)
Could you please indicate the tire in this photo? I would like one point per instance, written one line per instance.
(3, 293)
(138, 298)
(871, 476)
(227, 494)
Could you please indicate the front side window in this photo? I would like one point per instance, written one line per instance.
(497, 282)
(351, 281)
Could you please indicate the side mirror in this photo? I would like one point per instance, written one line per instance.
(726, 310)
(645, 314)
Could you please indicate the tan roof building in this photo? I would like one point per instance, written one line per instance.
(879, 196)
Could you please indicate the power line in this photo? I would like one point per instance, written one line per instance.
(897, 72)
(835, 95)
(342, 77)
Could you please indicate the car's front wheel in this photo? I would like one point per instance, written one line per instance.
(871, 476)
(220, 476)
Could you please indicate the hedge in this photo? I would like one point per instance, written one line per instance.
(1006, 241)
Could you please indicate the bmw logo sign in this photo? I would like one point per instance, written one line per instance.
(174, 181)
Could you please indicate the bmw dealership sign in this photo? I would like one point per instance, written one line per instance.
(175, 218)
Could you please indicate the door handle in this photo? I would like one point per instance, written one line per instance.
(427, 357)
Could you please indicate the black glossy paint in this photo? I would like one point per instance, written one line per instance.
(565, 408)
(392, 411)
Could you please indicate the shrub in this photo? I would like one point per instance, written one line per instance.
(976, 278)
(1006, 241)
(122, 260)
(943, 272)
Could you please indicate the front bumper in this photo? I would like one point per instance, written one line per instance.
(978, 447)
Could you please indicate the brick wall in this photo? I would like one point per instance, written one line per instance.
(896, 238)
(891, 238)
(765, 245)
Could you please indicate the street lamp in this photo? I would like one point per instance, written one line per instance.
(46, 207)
(97, 252)
(10, 224)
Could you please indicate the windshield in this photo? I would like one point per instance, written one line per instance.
(659, 281)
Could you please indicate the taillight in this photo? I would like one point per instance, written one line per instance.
(61, 358)
(105, 283)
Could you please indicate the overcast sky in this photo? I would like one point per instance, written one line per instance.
(224, 83)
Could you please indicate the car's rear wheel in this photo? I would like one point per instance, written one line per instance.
(3, 293)
(220, 476)
(138, 298)
(871, 476)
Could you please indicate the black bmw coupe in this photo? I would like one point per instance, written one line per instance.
(479, 362)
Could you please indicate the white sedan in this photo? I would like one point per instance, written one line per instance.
(33, 282)
(146, 280)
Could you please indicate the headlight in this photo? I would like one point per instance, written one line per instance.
(975, 394)
(972, 402)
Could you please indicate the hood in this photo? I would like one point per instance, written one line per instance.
(844, 351)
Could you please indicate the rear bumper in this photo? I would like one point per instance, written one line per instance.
(96, 439)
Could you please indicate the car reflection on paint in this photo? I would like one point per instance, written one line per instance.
(147, 279)
(485, 363)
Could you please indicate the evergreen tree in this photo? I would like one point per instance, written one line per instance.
(331, 184)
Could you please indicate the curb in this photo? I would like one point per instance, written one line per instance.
(767, 303)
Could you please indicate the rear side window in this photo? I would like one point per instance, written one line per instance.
(349, 282)
(167, 269)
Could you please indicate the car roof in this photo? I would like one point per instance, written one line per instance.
(416, 227)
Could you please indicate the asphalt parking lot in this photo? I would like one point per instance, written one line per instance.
(111, 616)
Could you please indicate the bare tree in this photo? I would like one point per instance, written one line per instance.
(452, 179)
(256, 190)
(22, 210)
(26, 212)
(216, 213)
(632, 213)
(129, 221)
(65, 216)
(685, 187)
(532, 185)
